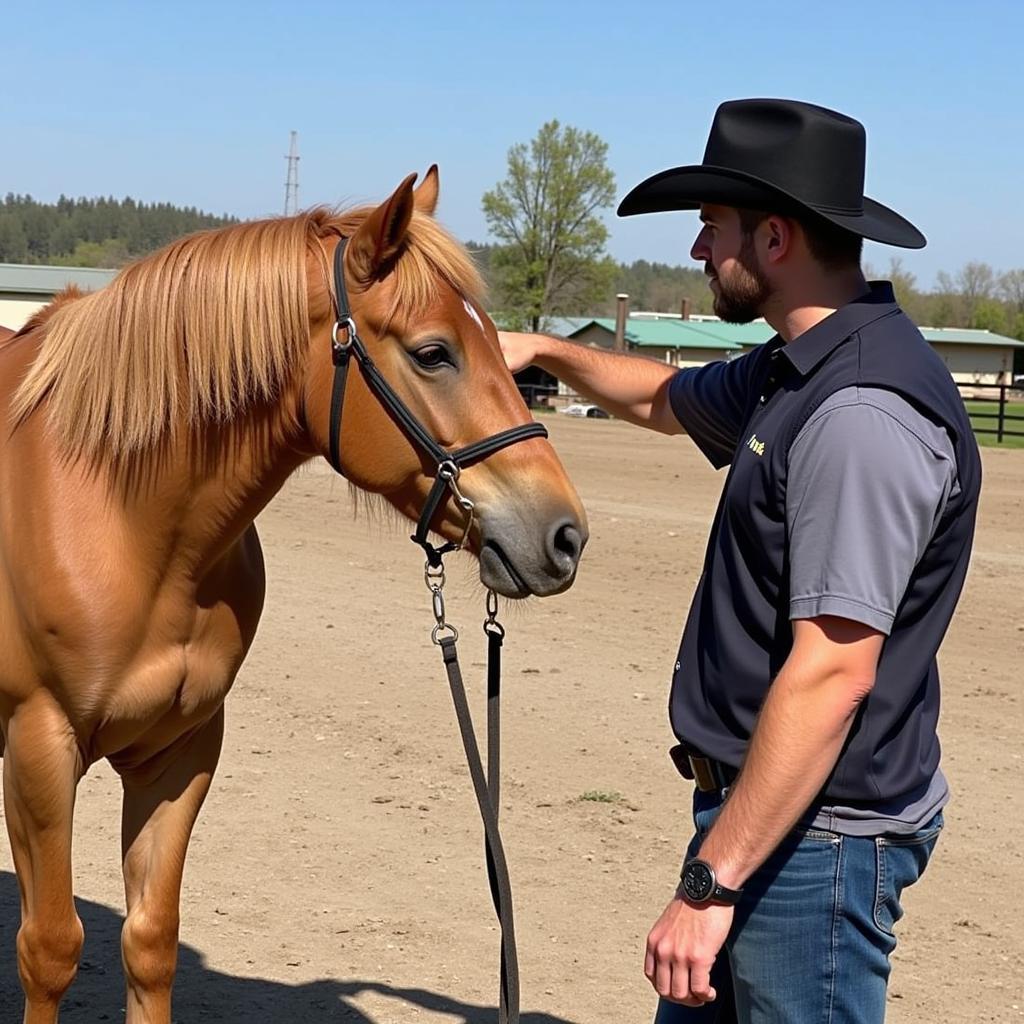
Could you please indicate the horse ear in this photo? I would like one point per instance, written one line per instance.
(426, 192)
(378, 239)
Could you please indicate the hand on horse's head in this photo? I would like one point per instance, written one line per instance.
(518, 349)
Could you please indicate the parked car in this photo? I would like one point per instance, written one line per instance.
(593, 412)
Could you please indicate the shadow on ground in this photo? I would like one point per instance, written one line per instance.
(203, 995)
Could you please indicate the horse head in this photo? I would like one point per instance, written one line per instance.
(416, 300)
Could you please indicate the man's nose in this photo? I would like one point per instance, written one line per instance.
(700, 250)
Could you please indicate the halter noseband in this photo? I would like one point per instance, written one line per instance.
(448, 463)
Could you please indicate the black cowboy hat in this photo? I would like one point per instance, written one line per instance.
(785, 157)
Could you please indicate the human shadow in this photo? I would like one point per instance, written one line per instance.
(203, 995)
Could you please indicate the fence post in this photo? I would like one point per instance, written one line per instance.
(1002, 413)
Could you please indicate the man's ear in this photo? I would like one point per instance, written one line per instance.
(378, 239)
(778, 237)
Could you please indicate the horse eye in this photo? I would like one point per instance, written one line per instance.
(430, 357)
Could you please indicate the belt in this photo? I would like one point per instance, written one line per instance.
(707, 774)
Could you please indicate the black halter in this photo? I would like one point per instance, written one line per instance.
(448, 463)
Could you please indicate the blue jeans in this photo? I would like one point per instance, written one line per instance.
(811, 939)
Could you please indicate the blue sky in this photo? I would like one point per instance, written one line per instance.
(192, 103)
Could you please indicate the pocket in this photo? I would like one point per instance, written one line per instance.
(706, 808)
(900, 861)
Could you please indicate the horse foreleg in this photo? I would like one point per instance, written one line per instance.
(161, 803)
(42, 766)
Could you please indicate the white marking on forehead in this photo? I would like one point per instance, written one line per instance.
(473, 313)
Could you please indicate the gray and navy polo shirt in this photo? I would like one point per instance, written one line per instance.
(851, 491)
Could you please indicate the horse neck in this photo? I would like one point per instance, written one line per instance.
(207, 493)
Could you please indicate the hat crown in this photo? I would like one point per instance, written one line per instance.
(803, 149)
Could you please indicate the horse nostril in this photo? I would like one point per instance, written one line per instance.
(565, 544)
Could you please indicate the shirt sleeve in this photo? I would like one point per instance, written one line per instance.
(867, 483)
(710, 402)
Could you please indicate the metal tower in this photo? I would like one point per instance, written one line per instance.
(291, 186)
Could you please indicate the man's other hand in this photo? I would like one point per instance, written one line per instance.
(682, 946)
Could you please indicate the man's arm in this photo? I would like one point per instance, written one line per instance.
(629, 387)
(829, 671)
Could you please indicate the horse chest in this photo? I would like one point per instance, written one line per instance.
(169, 689)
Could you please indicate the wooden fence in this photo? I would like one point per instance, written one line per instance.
(1000, 398)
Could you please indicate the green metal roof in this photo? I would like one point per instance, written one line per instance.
(716, 334)
(564, 326)
(969, 336)
(739, 334)
(27, 279)
(667, 333)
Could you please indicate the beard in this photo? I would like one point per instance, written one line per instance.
(742, 298)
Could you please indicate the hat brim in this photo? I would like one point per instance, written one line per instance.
(685, 188)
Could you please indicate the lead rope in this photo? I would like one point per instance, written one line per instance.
(486, 787)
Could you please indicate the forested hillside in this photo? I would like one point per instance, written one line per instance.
(92, 232)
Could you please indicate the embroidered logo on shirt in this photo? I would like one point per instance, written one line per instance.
(757, 447)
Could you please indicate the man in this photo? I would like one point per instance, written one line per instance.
(805, 695)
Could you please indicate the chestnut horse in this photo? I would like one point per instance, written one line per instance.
(144, 427)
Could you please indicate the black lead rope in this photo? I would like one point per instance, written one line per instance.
(448, 465)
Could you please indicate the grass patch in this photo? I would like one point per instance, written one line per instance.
(983, 415)
(600, 796)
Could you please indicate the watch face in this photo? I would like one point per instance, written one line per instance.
(697, 881)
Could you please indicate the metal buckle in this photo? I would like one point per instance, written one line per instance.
(450, 472)
(341, 348)
(433, 576)
(704, 775)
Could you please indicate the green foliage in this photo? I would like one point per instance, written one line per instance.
(104, 232)
(655, 287)
(975, 296)
(600, 796)
(990, 315)
(545, 215)
(660, 288)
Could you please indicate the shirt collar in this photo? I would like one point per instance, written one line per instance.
(808, 350)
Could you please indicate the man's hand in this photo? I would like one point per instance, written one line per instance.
(519, 350)
(630, 388)
(681, 948)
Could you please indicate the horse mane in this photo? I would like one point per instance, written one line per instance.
(204, 329)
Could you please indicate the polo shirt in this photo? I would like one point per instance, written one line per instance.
(852, 490)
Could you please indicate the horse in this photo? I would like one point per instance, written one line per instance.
(145, 426)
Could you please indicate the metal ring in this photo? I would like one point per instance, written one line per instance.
(490, 626)
(347, 324)
(448, 470)
(435, 633)
(492, 606)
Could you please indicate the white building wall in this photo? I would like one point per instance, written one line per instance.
(14, 312)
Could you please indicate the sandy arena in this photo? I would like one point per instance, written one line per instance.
(336, 873)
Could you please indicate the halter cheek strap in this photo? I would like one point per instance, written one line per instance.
(346, 343)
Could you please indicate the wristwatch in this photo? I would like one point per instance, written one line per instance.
(700, 886)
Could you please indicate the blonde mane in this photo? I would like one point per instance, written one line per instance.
(203, 329)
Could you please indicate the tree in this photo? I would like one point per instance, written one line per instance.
(976, 282)
(546, 215)
(1011, 289)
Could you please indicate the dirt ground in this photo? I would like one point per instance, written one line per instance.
(337, 872)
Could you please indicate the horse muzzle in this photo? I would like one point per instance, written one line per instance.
(519, 561)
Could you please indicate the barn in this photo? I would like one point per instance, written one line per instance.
(25, 288)
(972, 356)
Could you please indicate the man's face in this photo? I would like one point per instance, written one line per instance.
(730, 260)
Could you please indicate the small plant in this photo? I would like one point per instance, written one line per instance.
(601, 796)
